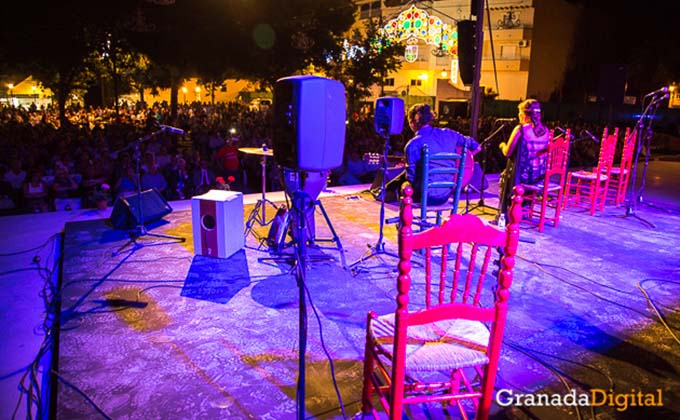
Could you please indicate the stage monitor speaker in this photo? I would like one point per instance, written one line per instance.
(466, 50)
(309, 123)
(126, 215)
(217, 222)
(389, 115)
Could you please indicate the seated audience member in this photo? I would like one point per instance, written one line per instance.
(36, 193)
(203, 178)
(92, 179)
(179, 181)
(64, 186)
(126, 184)
(227, 159)
(153, 178)
(6, 202)
(16, 176)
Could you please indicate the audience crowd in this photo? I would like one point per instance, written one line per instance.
(102, 154)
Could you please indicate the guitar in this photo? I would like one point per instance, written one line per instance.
(373, 160)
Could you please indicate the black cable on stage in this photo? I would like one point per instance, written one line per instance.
(82, 394)
(325, 350)
(539, 266)
(660, 317)
(47, 241)
(28, 382)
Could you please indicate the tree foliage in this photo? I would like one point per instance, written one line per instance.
(363, 60)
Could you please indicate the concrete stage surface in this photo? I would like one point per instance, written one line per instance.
(151, 331)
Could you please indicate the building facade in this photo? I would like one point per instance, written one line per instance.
(525, 53)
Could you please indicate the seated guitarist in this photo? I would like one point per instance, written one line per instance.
(526, 152)
(439, 140)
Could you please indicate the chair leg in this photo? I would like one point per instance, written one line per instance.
(558, 208)
(369, 366)
(541, 219)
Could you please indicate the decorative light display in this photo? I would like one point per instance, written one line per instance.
(415, 23)
(411, 53)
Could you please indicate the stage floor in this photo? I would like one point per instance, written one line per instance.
(153, 331)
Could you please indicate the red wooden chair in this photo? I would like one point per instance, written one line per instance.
(619, 175)
(549, 192)
(588, 189)
(442, 344)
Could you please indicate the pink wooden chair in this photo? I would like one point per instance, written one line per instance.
(452, 326)
(549, 192)
(588, 189)
(619, 176)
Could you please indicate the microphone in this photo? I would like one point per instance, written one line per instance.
(564, 132)
(589, 134)
(173, 130)
(505, 119)
(663, 89)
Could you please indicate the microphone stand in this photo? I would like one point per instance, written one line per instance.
(644, 132)
(141, 230)
(485, 148)
(379, 247)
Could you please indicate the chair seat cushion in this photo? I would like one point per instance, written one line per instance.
(591, 176)
(442, 345)
(539, 187)
(441, 207)
(618, 171)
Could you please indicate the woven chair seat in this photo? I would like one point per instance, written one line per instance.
(442, 345)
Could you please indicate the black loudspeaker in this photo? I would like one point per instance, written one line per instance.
(125, 213)
(466, 50)
(474, 7)
(612, 84)
(389, 115)
(309, 123)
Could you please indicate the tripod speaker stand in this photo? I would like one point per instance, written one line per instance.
(379, 248)
(389, 119)
(140, 229)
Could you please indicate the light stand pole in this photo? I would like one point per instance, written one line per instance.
(644, 133)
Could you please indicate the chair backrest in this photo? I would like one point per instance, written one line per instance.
(558, 157)
(629, 141)
(454, 284)
(443, 170)
(607, 150)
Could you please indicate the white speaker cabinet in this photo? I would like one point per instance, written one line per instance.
(217, 221)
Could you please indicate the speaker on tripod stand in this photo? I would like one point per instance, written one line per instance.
(308, 137)
(389, 120)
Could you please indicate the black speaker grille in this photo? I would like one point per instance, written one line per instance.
(466, 50)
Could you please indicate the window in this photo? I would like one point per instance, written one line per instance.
(416, 82)
(508, 52)
(369, 10)
(389, 81)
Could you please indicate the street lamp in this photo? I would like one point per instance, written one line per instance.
(11, 93)
(184, 91)
(34, 88)
(198, 93)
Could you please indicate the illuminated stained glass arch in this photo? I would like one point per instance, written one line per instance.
(415, 23)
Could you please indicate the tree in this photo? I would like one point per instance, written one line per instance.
(282, 38)
(364, 61)
(54, 43)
